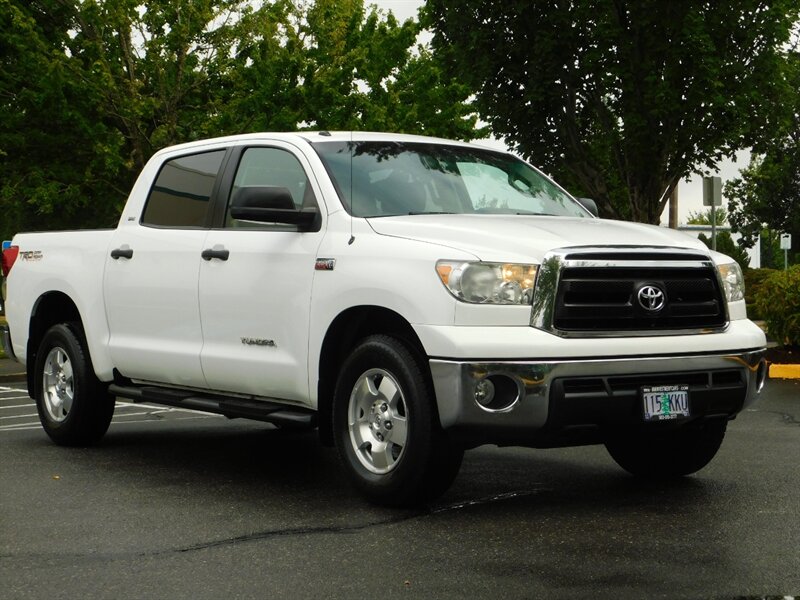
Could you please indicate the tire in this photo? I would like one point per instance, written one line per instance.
(74, 406)
(386, 428)
(669, 454)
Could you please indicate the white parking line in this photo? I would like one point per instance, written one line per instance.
(21, 427)
(170, 421)
(159, 408)
(20, 416)
(155, 409)
(36, 425)
(122, 415)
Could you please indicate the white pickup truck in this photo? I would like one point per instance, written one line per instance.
(411, 297)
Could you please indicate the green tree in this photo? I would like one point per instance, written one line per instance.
(704, 217)
(726, 245)
(57, 156)
(90, 89)
(620, 100)
(767, 192)
(336, 65)
(772, 256)
(725, 242)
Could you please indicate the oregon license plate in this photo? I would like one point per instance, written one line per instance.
(665, 402)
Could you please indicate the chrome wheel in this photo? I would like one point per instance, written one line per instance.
(377, 421)
(58, 384)
(385, 425)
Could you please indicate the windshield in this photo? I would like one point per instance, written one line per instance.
(379, 179)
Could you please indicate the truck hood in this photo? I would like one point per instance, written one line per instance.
(518, 238)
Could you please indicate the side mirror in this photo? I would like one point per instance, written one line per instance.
(270, 204)
(589, 205)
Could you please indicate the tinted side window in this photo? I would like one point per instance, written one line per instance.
(272, 167)
(181, 193)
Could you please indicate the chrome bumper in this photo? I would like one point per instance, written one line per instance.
(5, 335)
(533, 389)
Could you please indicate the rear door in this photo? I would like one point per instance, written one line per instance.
(151, 276)
(255, 291)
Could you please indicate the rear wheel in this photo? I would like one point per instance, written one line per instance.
(669, 454)
(386, 429)
(74, 407)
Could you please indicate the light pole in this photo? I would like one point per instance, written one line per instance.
(712, 196)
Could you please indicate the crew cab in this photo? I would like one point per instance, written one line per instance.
(410, 297)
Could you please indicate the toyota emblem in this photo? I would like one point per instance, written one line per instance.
(651, 298)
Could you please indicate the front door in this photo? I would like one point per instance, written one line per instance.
(255, 287)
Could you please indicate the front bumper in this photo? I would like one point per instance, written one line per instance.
(580, 401)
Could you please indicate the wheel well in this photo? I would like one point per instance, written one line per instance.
(344, 333)
(50, 309)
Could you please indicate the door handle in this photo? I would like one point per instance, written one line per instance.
(210, 253)
(117, 253)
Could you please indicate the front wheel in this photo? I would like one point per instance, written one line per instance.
(668, 454)
(74, 407)
(385, 426)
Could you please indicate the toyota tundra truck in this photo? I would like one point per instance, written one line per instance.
(410, 297)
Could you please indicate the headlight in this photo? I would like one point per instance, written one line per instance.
(732, 281)
(488, 283)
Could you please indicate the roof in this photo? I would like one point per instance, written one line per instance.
(318, 136)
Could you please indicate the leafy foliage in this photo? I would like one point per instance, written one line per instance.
(48, 115)
(704, 217)
(772, 257)
(767, 194)
(778, 301)
(754, 279)
(726, 245)
(622, 99)
(90, 89)
(725, 242)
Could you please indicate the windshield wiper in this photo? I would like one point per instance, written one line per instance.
(441, 212)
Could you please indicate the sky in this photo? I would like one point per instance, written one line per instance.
(690, 192)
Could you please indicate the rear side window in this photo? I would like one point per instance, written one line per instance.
(181, 193)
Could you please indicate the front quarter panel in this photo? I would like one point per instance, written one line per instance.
(375, 270)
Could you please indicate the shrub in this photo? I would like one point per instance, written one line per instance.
(778, 302)
(753, 281)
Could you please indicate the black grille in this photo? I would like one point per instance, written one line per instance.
(605, 299)
(615, 401)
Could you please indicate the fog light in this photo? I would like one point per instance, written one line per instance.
(484, 392)
(497, 392)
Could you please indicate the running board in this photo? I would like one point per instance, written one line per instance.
(231, 407)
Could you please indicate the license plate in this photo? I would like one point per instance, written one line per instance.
(665, 402)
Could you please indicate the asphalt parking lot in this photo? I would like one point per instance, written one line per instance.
(178, 504)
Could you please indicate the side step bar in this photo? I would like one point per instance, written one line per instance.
(231, 407)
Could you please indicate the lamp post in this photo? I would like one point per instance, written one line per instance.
(712, 196)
